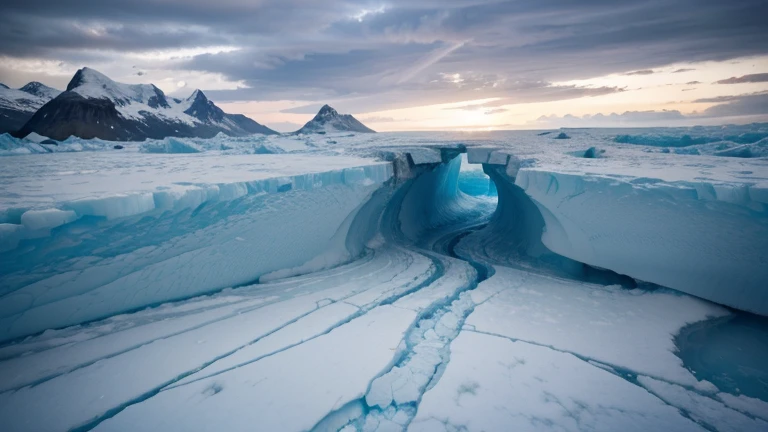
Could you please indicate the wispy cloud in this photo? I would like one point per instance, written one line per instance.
(752, 106)
(377, 119)
(752, 78)
(641, 72)
(731, 98)
(430, 60)
(496, 111)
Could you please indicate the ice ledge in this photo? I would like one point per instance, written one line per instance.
(700, 226)
(161, 183)
(705, 239)
(104, 246)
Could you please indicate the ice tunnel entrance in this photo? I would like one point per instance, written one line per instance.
(462, 224)
(471, 208)
(473, 181)
(465, 219)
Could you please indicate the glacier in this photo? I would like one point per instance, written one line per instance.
(385, 282)
(187, 238)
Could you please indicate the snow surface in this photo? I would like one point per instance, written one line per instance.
(349, 282)
(495, 384)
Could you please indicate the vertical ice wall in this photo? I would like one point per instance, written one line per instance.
(434, 200)
(178, 246)
(708, 239)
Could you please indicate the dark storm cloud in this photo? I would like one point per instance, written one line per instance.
(48, 37)
(374, 55)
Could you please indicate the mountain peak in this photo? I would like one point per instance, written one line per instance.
(40, 89)
(32, 85)
(327, 110)
(197, 94)
(93, 84)
(203, 109)
(329, 120)
(87, 75)
(17, 106)
(96, 106)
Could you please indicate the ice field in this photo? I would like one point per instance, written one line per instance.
(611, 280)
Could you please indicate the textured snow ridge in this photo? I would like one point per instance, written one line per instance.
(138, 238)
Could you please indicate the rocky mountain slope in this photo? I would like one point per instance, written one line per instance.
(17, 106)
(329, 120)
(94, 106)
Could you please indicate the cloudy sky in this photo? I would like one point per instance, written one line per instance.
(414, 64)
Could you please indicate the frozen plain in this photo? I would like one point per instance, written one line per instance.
(345, 282)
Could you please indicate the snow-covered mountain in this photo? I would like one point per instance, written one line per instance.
(329, 120)
(94, 106)
(18, 105)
